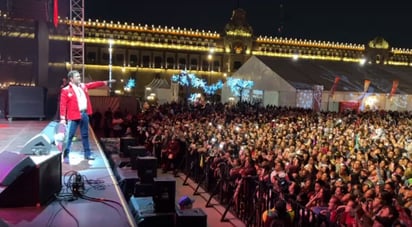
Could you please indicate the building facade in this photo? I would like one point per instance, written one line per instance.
(34, 52)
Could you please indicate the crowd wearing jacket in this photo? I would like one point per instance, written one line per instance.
(352, 168)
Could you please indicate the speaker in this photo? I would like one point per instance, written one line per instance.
(3, 224)
(127, 179)
(191, 217)
(125, 142)
(143, 189)
(143, 212)
(134, 153)
(146, 168)
(41, 143)
(165, 193)
(26, 102)
(157, 220)
(12, 165)
(36, 185)
(127, 185)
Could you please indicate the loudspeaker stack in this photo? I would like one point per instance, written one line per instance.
(191, 217)
(165, 193)
(136, 152)
(143, 212)
(146, 168)
(125, 142)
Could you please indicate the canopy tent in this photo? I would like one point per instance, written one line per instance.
(160, 90)
(276, 90)
(286, 82)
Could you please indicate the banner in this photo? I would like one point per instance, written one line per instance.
(55, 12)
(394, 87)
(348, 106)
(366, 85)
(335, 84)
(317, 98)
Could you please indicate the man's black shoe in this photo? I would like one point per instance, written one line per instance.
(90, 158)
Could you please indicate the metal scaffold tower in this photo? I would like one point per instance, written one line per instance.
(77, 36)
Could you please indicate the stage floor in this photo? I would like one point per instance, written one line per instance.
(80, 212)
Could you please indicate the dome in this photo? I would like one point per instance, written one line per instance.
(378, 43)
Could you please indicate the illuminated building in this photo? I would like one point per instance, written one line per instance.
(144, 52)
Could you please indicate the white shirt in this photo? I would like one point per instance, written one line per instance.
(81, 97)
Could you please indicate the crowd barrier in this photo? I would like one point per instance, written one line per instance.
(245, 197)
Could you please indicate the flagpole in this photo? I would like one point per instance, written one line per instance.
(327, 108)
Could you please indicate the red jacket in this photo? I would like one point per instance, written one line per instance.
(69, 106)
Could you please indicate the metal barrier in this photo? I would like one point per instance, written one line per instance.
(249, 197)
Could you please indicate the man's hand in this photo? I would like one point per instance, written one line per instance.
(63, 122)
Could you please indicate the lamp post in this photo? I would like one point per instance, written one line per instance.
(210, 59)
(111, 41)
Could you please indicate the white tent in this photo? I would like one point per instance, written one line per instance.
(161, 90)
(276, 90)
(285, 82)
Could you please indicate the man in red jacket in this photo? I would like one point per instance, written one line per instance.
(75, 108)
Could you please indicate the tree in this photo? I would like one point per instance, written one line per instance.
(190, 80)
(238, 86)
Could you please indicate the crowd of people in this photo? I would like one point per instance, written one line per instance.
(349, 168)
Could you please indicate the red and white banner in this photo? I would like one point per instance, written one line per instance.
(345, 106)
(394, 87)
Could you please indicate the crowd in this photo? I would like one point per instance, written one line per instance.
(348, 169)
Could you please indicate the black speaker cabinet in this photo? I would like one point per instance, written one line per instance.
(165, 193)
(143, 211)
(127, 185)
(41, 143)
(26, 102)
(12, 165)
(135, 152)
(146, 168)
(3, 224)
(191, 217)
(157, 220)
(36, 185)
(143, 189)
(125, 142)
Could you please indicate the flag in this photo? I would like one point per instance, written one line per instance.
(55, 12)
(335, 84)
(394, 87)
(366, 85)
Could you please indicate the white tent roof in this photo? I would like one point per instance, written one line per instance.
(263, 76)
(159, 83)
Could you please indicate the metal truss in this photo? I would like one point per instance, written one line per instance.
(77, 36)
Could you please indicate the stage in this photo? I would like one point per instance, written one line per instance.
(110, 208)
(103, 203)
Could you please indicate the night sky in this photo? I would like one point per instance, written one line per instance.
(334, 20)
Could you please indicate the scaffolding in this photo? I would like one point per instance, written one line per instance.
(77, 36)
